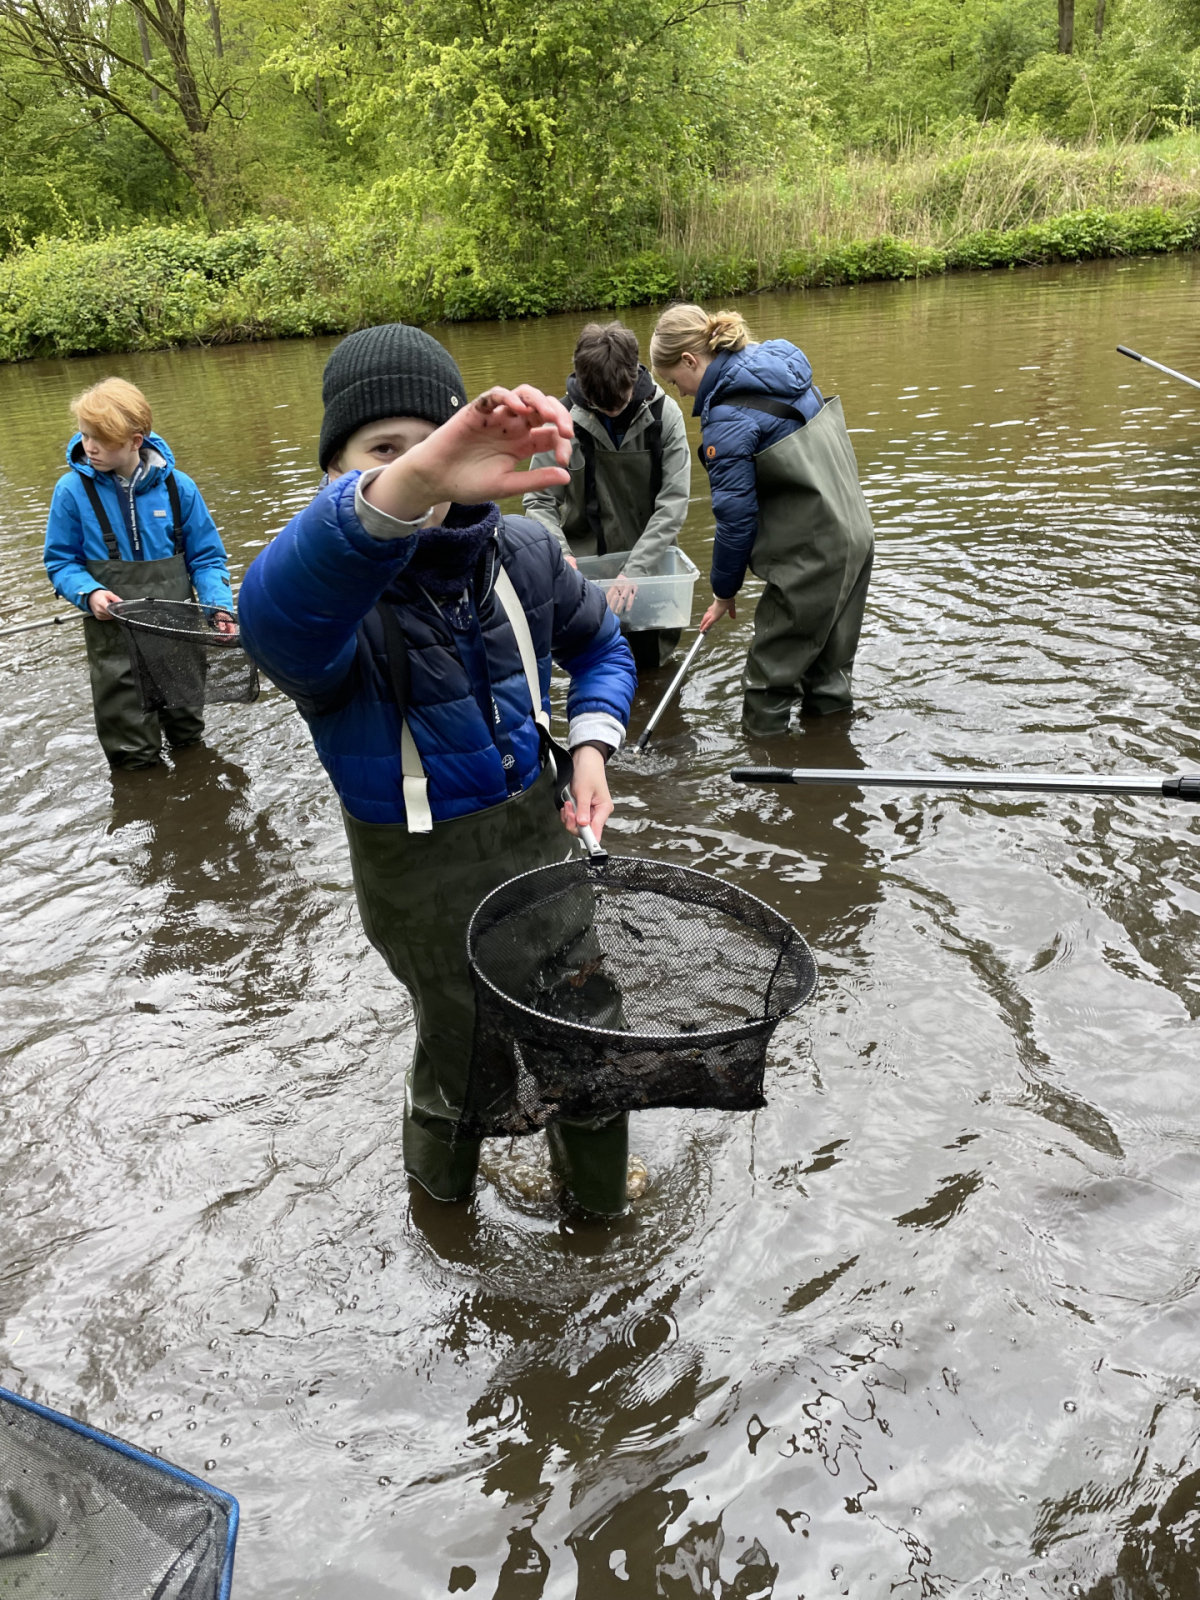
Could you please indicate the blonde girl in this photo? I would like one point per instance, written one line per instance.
(788, 506)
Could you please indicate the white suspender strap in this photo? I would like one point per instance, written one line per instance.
(519, 623)
(415, 784)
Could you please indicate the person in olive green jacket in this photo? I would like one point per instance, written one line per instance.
(631, 473)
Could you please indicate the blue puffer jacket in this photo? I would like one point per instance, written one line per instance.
(144, 530)
(733, 436)
(307, 613)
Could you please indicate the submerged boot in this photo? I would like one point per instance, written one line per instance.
(593, 1162)
(444, 1170)
(766, 713)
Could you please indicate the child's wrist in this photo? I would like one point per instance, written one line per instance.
(401, 492)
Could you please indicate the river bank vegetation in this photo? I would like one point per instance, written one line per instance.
(255, 168)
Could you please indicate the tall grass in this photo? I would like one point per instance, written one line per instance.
(928, 197)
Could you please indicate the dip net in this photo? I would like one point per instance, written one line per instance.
(181, 658)
(616, 985)
(84, 1516)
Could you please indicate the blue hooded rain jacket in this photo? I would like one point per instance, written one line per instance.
(733, 436)
(307, 615)
(142, 524)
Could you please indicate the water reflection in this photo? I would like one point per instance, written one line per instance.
(190, 831)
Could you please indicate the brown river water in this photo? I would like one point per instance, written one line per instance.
(930, 1323)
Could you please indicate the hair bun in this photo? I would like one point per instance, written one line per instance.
(726, 330)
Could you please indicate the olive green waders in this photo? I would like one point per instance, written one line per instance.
(416, 893)
(625, 491)
(129, 736)
(814, 550)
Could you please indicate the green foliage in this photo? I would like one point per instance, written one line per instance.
(153, 287)
(62, 172)
(501, 158)
(1006, 40)
(1080, 236)
(1052, 93)
(523, 123)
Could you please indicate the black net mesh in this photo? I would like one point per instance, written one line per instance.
(181, 658)
(85, 1517)
(606, 986)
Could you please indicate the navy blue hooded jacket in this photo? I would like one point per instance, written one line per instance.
(732, 436)
(307, 616)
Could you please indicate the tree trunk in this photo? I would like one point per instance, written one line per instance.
(214, 17)
(144, 37)
(1066, 26)
(169, 22)
(1099, 20)
(320, 97)
(65, 40)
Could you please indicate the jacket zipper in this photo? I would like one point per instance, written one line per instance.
(134, 530)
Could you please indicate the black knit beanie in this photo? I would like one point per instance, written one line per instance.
(390, 371)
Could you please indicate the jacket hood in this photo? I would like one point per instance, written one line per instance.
(776, 368)
(157, 458)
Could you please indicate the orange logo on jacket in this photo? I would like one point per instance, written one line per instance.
(711, 452)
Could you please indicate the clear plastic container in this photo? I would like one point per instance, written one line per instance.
(663, 600)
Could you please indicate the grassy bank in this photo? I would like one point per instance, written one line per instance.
(991, 201)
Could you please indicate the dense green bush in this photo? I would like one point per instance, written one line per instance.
(1004, 43)
(152, 287)
(1052, 93)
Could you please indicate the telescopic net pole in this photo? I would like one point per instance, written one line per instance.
(644, 738)
(1123, 350)
(1186, 786)
(46, 622)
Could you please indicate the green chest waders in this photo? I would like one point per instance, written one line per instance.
(813, 550)
(130, 736)
(418, 884)
(608, 502)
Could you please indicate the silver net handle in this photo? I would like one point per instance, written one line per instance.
(595, 849)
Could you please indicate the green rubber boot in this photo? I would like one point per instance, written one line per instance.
(593, 1162)
(444, 1170)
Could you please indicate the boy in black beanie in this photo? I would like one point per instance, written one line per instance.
(392, 610)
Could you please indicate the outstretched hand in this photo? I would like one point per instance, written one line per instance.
(474, 456)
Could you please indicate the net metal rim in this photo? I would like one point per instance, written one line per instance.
(210, 638)
(630, 1040)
